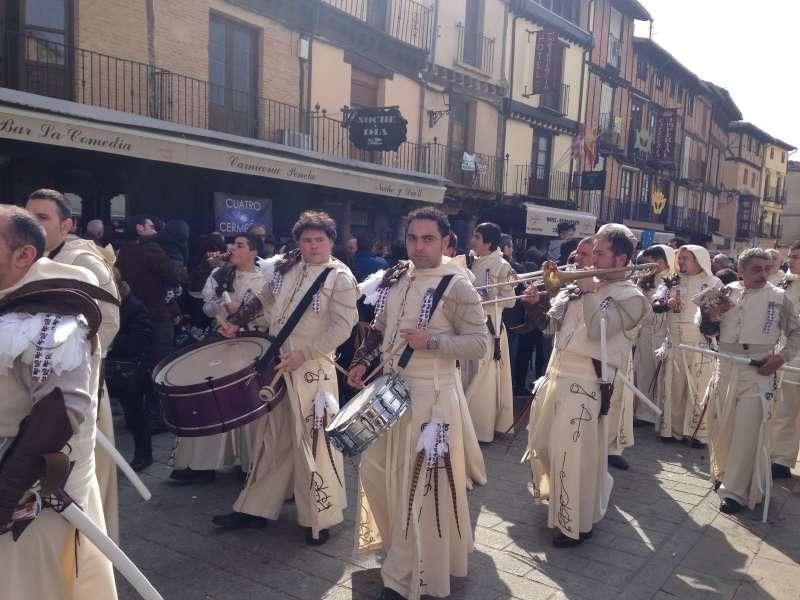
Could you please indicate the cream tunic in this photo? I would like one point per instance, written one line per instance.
(646, 365)
(217, 451)
(684, 376)
(85, 253)
(785, 425)
(568, 440)
(490, 394)
(740, 400)
(422, 561)
(42, 563)
(283, 460)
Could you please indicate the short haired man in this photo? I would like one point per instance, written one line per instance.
(51, 210)
(490, 392)
(567, 445)
(722, 261)
(749, 322)
(785, 426)
(47, 407)
(775, 275)
(294, 430)
(197, 458)
(427, 535)
(365, 261)
(564, 230)
(684, 377)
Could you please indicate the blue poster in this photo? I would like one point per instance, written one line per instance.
(648, 237)
(236, 214)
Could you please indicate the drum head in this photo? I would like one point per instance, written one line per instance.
(355, 404)
(215, 360)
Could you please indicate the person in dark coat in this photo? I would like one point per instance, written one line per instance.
(127, 374)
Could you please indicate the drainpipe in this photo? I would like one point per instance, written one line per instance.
(500, 177)
(504, 162)
(150, 13)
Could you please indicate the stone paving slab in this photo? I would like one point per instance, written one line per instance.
(663, 538)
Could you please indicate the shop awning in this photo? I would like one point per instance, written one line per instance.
(543, 220)
(31, 118)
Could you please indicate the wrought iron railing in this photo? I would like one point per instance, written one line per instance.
(642, 211)
(556, 100)
(539, 182)
(92, 78)
(608, 133)
(475, 49)
(614, 51)
(637, 154)
(406, 20)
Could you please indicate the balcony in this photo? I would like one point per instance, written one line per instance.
(745, 230)
(556, 100)
(780, 197)
(70, 73)
(639, 145)
(614, 51)
(609, 131)
(405, 20)
(770, 230)
(696, 223)
(608, 210)
(642, 211)
(475, 49)
(541, 183)
(677, 218)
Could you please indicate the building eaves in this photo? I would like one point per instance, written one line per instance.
(633, 8)
(548, 19)
(759, 134)
(666, 60)
(722, 96)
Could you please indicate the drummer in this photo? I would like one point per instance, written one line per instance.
(414, 504)
(293, 455)
(197, 458)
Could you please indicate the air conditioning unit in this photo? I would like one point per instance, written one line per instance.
(296, 139)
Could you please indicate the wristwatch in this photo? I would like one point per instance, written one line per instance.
(433, 342)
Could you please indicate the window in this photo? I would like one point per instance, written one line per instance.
(687, 152)
(749, 144)
(615, 39)
(758, 148)
(680, 94)
(659, 80)
(606, 102)
(771, 153)
(363, 89)
(626, 185)
(690, 103)
(644, 192)
(473, 31)
(565, 8)
(672, 87)
(540, 172)
(641, 69)
(746, 174)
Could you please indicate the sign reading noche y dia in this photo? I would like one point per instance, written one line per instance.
(57, 130)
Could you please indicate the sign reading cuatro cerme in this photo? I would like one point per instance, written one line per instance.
(57, 130)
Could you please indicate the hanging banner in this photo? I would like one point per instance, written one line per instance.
(658, 202)
(236, 214)
(593, 180)
(664, 147)
(543, 80)
(381, 128)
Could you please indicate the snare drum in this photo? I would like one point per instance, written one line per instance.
(369, 414)
(212, 386)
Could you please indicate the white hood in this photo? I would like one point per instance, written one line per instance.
(702, 256)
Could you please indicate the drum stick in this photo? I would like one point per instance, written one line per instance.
(123, 465)
(333, 362)
(379, 368)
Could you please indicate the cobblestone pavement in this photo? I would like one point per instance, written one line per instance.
(662, 538)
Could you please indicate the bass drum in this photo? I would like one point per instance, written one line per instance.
(213, 386)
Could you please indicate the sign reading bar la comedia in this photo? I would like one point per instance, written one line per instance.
(381, 128)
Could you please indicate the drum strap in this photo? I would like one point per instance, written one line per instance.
(292, 321)
(437, 295)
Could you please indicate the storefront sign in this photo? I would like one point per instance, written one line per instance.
(543, 220)
(236, 214)
(666, 126)
(57, 130)
(381, 128)
(543, 77)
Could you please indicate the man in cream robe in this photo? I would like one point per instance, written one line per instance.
(412, 490)
(741, 397)
(292, 453)
(196, 458)
(490, 395)
(48, 560)
(684, 377)
(50, 208)
(653, 331)
(785, 425)
(568, 439)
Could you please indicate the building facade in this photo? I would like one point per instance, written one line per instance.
(790, 232)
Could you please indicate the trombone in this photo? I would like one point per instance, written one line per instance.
(553, 279)
(523, 277)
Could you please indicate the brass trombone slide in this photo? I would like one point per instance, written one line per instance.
(553, 280)
(522, 278)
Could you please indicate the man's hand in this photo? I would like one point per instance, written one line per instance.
(772, 364)
(675, 305)
(232, 307)
(227, 329)
(416, 338)
(291, 361)
(531, 295)
(355, 377)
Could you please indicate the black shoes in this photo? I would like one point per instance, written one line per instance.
(323, 537)
(563, 541)
(140, 463)
(390, 594)
(190, 476)
(730, 506)
(618, 462)
(695, 443)
(781, 471)
(668, 439)
(237, 520)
